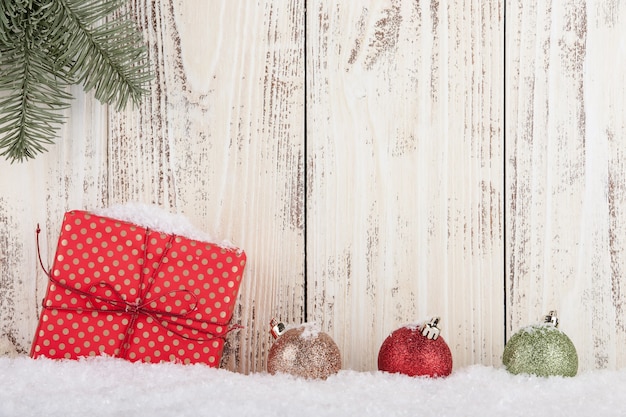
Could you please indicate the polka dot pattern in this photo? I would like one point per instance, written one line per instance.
(121, 290)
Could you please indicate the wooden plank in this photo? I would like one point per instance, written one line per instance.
(72, 174)
(220, 139)
(565, 176)
(404, 202)
(18, 218)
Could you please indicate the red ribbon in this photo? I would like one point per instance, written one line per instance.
(116, 304)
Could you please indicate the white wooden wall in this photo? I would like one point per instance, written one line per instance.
(404, 173)
(565, 172)
(380, 162)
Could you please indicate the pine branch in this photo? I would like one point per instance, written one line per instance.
(47, 45)
(33, 90)
(110, 57)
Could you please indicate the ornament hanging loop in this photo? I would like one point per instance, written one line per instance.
(430, 329)
(552, 319)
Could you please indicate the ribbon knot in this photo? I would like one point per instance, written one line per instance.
(98, 300)
(133, 308)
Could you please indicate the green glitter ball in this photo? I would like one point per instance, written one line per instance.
(541, 350)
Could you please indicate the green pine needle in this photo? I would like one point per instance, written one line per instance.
(47, 45)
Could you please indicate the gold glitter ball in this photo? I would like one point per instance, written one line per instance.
(304, 352)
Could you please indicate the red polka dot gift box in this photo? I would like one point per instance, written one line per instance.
(124, 290)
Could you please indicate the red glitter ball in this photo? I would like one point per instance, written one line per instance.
(408, 352)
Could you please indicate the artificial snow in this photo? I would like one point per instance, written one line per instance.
(310, 330)
(160, 220)
(105, 386)
(540, 326)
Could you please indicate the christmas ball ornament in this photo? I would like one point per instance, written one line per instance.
(303, 351)
(541, 350)
(416, 350)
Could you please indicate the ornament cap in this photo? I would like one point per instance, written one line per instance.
(430, 330)
(277, 328)
(551, 318)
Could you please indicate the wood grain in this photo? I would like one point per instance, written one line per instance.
(71, 175)
(221, 140)
(565, 175)
(404, 202)
(399, 171)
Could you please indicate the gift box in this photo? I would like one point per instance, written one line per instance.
(124, 290)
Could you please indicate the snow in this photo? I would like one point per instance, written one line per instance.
(540, 326)
(158, 219)
(105, 386)
(310, 330)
